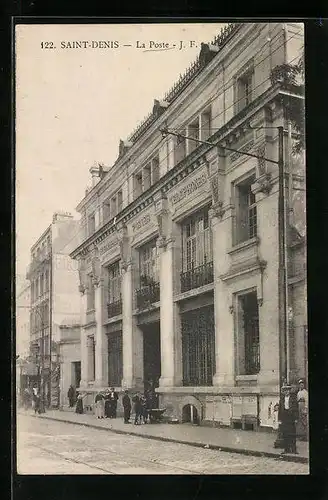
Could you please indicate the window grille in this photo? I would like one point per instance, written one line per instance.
(198, 347)
(115, 359)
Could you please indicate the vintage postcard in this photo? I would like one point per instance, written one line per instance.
(161, 248)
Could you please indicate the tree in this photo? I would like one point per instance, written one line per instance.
(291, 77)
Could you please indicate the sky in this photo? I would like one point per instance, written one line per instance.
(73, 105)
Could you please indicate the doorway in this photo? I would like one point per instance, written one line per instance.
(76, 373)
(190, 414)
(152, 359)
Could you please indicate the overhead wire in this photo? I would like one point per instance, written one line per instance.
(83, 223)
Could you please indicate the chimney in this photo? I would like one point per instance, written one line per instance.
(95, 172)
(61, 216)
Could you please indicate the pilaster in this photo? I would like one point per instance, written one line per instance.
(100, 339)
(169, 315)
(83, 339)
(132, 335)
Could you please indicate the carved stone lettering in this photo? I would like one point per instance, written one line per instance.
(141, 223)
(188, 189)
(107, 246)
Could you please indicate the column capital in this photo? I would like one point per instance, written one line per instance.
(97, 281)
(217, 210)
(126, 265)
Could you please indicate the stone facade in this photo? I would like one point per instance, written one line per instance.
(196, 236)
(53, 277)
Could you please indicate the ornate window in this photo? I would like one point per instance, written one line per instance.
(197, 258)
(246, 211)
(198, 347)
(244, 89)
(114, 302)
(115, 359)
(149, 290)
(248, 341)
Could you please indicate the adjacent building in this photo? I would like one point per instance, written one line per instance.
(25, 371)
(180, 264)
(53, 277)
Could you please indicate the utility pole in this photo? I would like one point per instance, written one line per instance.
(282, 273)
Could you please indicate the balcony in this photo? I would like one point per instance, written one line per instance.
(196, 277)
(148, 294)
(114, 308)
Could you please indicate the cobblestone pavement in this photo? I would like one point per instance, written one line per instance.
(48, 447)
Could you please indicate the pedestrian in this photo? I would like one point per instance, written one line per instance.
(100, 405)
(288, 416)
(71, 396)
(27, 398)
(36, 400)
(137, 409)
(303, 404)
(79, 404)
(113, 397)
(126, 402)
(144, 411)
(107, 404)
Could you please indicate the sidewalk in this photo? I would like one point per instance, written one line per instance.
(231, 440)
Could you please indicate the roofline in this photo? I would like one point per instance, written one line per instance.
(189, 77)
(270, 94)
(41, 237)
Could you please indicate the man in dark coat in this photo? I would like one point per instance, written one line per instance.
(287, 417)
(126, 401)
(113, 397)
(137, 408)
(71, 396)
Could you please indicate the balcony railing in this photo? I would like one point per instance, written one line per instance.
(114, 308)
(147, 295)
(196, 277)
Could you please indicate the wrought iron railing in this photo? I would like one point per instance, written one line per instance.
(147, 295)
(114, 308)
(252, 359)
(196, 277)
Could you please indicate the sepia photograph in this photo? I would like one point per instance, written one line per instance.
(161, 280)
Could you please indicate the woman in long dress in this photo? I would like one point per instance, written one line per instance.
(303, 403)
(100, 405)
(79, 404)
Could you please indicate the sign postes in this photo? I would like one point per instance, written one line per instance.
(188, 189)
(143, 221)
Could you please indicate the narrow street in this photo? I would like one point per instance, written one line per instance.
(48, 447)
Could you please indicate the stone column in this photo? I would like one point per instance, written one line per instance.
(170, 144)
(132, 335)
(167, 311)
(223, 312)
(100, 340)
(221, 226)
(127, 310)
(91, 360)
(84, 346)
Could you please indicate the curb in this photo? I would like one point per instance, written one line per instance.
(230, 449)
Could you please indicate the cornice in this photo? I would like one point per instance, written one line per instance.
(190, 163)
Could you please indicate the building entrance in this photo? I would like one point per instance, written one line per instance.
(152, 360)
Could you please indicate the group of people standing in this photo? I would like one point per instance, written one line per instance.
(292, 417)
(105, 404)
